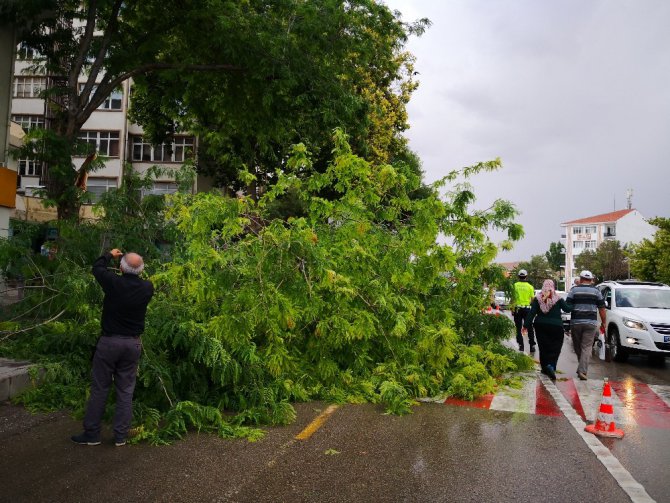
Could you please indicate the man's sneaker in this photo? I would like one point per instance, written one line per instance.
(84, 439)
(582, 376)
(521, 348)
(120, 442)
(532, 350)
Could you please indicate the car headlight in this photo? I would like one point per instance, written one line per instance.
(634, 324)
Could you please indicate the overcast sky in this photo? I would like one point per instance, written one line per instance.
(572, 95)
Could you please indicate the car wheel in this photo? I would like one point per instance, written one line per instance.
(614, 349)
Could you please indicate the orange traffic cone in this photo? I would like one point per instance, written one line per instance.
(489, 310)
(604, 425)
(497, 310)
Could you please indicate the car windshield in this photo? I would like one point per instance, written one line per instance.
(643, 297)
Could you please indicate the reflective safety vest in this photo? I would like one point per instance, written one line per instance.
(523, 294)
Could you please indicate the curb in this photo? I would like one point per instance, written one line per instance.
(14, 378)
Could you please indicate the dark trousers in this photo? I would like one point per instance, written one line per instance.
(116, 359)
(520, 314)
(550, 342)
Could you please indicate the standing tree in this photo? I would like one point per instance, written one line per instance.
(555, 255)
(607, 262)
(650, 260)
(265, 74)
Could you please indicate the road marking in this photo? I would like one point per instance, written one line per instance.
(644, 404)
(571, 394)
(316, 424)
(544, 404)
(635, 491)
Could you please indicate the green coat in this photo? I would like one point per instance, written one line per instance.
(553, 317)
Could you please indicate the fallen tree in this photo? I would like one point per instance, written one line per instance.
(355, 301)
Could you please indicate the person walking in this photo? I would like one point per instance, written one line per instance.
(586, 302)
(523, 293)
(545, 316)
(118, 350)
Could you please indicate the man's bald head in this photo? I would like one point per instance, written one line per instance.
(132, 263)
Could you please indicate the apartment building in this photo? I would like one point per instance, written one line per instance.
(626, 226)
(108, 130)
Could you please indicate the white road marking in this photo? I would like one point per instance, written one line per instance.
(663, 392)
(633, 488)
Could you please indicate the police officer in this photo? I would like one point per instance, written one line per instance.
(523, 294)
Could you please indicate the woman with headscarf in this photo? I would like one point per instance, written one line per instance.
(545, 314)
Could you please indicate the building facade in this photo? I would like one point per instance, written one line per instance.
(108, 130)
(626, 226)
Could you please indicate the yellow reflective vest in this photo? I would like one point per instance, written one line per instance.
(523, 294)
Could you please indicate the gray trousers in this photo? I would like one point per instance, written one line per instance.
(583, 336)
(115, 359)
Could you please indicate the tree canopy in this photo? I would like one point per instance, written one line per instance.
(650, 260)
(607, 262)
(250, 77)
(538, 269)
(555, 255)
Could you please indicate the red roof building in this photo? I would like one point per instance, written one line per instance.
(626, 226)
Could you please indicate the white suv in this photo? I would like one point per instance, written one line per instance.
(638, 318)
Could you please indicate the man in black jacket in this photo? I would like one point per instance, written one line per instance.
(119, 348)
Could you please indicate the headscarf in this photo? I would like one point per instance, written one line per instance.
(547, 297)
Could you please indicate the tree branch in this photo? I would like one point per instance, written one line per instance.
(84, 45)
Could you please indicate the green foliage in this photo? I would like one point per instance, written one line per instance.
(607, 262)
(555, 255)
(355, 301)
(650, 260)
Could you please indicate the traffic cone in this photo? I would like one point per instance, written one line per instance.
(489, 309)
(604, 425)
(497, 310)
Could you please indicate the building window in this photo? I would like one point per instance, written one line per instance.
(28, 122)
(24, 53)
(180, 149)
(161, 189)
(590, 229)
(610, 231)
(578, 245)
(112, 102)
(590, 245)
(96, 187)
(578, 230)
(28, 87)
(105, 142)
(30, 167)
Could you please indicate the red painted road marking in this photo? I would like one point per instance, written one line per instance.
(643, 404)
(483, 402)
(571, 394)
(544, 402)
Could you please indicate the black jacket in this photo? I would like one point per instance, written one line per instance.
(126, 299)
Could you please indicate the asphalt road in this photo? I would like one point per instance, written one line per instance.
(438, 453)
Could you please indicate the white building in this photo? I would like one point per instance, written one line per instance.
(626, 226)
(108, 129)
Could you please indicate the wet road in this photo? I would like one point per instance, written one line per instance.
(439, 453)
(529, 451)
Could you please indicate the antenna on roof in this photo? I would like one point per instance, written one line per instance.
(629, 198)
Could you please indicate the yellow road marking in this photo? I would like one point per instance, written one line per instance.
(316, 424)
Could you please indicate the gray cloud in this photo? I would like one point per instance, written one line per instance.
(574, 96)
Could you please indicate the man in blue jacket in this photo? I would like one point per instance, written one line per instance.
(119, 348)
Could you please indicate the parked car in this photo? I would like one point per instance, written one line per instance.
(501, 300)
(564, 316)
(638, 318)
